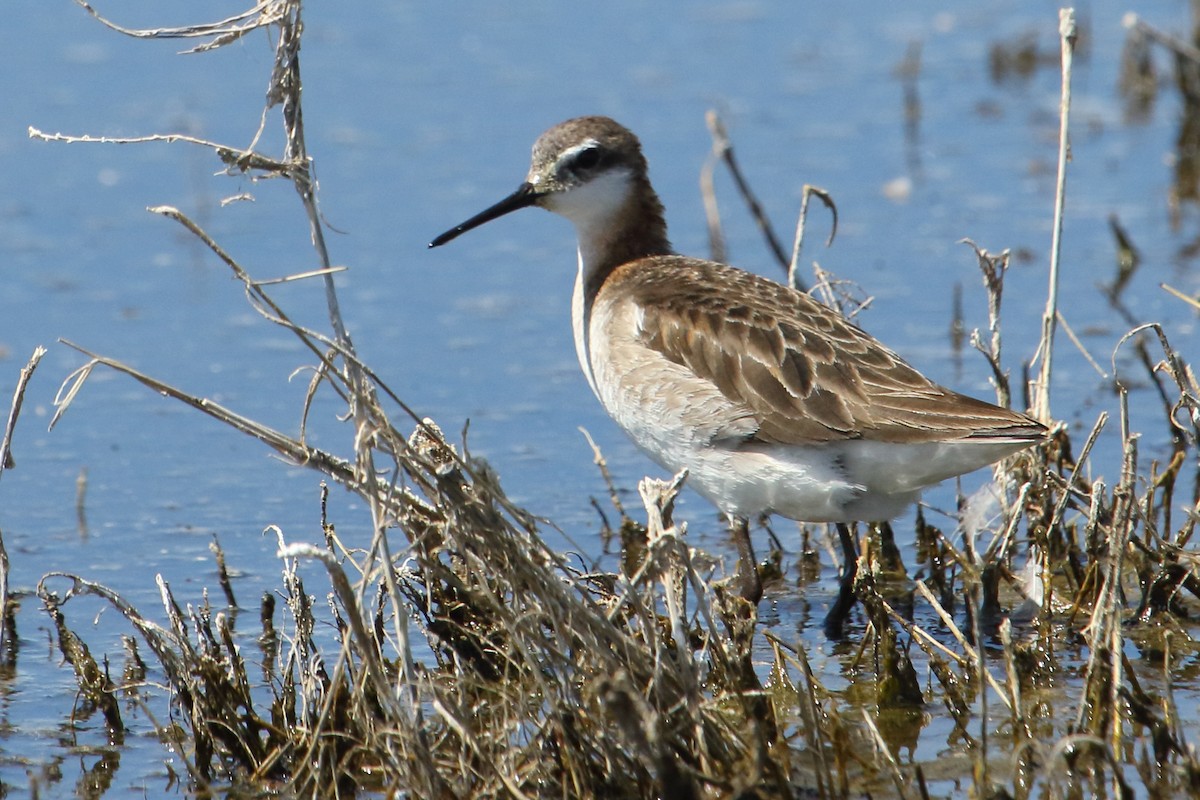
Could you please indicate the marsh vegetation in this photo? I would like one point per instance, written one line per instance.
(455, 654)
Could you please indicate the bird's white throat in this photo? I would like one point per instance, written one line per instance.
(595, 207)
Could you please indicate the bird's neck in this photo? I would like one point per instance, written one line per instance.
(636, 228)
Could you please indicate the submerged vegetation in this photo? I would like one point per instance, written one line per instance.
(467, 659)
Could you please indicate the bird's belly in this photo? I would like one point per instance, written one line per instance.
(801, 484)
(820, 483)
(681, 425)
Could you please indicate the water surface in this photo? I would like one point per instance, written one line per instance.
(418, 116)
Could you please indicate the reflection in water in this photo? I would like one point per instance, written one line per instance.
(96, 780)
(1019, 59)
(44, 774)
(908, 71)
(1022, 57)
(10, 643)
(1187, 144)
(1138, 82)
(958, 330)
(81, 482)
(901, 729)
(268, 640)
(1137, 87)
(1128, 259)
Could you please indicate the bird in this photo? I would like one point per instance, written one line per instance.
(774, 402)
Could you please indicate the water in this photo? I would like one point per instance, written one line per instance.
(417, 118)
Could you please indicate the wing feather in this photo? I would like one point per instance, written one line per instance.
(804, 373)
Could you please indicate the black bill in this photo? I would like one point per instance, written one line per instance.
(524, 196)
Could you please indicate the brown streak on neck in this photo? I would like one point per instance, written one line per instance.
(640, 231)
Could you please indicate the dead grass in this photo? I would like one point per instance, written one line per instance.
(469, 660)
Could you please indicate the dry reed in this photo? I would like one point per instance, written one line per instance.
(534, 678)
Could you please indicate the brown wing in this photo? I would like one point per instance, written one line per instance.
(804, 372)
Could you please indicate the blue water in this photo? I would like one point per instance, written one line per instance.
(418, 117)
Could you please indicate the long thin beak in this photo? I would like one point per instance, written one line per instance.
(525, 195)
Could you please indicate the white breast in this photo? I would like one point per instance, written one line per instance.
(579, 327)
(681, 420)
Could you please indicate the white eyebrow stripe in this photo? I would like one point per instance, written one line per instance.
(571, 152)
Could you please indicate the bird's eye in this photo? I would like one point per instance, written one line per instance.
(586, 159)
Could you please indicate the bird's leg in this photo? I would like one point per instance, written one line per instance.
(749, 581)
(836, 617)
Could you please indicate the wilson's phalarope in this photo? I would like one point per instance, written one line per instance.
(774, 402)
